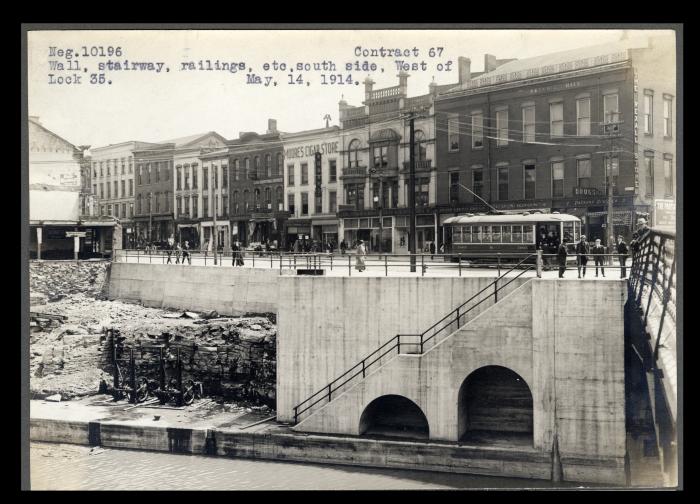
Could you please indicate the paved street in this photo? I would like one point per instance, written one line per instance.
(73, 467)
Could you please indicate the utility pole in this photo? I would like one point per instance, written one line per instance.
(612, 129)
(150, 216)
(213, 205)
(380, 202)
(412, 194)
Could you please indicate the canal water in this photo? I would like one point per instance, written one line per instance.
(73, 467)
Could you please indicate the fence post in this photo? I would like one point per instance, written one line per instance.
(457, 318)
(280, 263)
(398, 343)
(363, 369)
(422, 265)
(331, 261)
(253, 254)
(386, 266)
(459, 262)
(295, 415)
(538, 261)
(349, 266)
(205, 258)
(498, 255)
(329, 392)
(495, 291)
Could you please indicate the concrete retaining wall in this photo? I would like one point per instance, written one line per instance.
(197, 288)
(327, 325)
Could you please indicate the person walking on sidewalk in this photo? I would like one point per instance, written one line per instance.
(598, 250)
(178, 252)
(343, 247)
(186, 253)
(582, 251)
(561, 257)
(622, 250)
(360, 259)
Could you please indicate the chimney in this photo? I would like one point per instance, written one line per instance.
(489, 63)
(368, 87)
(465, 66)
(271, 126)
(403, 82)
(433, 87)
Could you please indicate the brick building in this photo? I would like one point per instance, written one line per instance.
(528, 135)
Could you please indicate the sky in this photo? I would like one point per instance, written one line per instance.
(149, 106)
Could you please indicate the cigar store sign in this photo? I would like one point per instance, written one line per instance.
(304, 151)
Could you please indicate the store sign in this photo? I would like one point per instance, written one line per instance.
(636, 107)
(319, 175)
(586, 191)
(69, 179)
(665, 214)
(310, 150)
(75, 234)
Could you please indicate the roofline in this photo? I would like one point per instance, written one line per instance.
(299, 134)
(54, 134)
(110, 146)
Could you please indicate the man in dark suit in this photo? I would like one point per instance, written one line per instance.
(561, 257)
(622, 251)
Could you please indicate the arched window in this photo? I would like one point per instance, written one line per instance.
(256, 199)
(420, 149)
(354, 153)
(280, 196)
(280, 169)
(258, 169)
(246, 200)
(246, 168)
(268, 165)
(268, 195)
(236, 169)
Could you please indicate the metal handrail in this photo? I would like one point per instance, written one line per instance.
(328, 390)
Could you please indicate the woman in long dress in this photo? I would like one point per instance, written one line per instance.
(360, 258)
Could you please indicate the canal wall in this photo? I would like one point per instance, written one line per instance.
(197, 288)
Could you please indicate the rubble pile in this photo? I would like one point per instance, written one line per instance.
(232, 356)
(54, 280)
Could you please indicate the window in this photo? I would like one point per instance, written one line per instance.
(123, 166)
(139, 204)
(102, 190)
(279, 168)
(179, 204)
(224, 176)
(94, 170)
(529, 178)
(354, 153)
(148, 173)
(558, 179)
(179, 177)
(453, 132)
(167, 201)
(649, 174)
(236, 169)
(256, 199)
(187, 176)
(583, 172)
(268, 197)
(503, 183)
(422, 191)
(318, 204)
(611, 112)
(355, 195)
(138, 174)
(157, 196)
(116, 189)
(332, 171)
(157, 172)
(108, 173)
(502, 127)
(234, 202)
(304, 203)
(94, 189)
(648, 112)
(394, 193)
(166, 170)
(116, 210)
(529, 123)
(215, 173)
(332, 201)
(477, 131)
(246, 168)
(109, 190)
(290, 203)
(131, 167)
(615, 165)
(205, 178)
(194, 176)
(109, 210)
(454, 188)
(195, 202)
(123, 188)
(205, 206)
(246, 200)
(279, 201)
(187, 207)
(290, 175)
(224, 205)
(258, 168)
(478, 182)
(101, 172)
(668, 113)
(381, 156)
(583, 117)
(668, 175)
(556, 119)
(419, 143)
(131, 209)
(304, 173)
(268, 165)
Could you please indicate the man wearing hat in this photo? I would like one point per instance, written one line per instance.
(622, 251)
(360, 258)
(582, 251)
(598, 250)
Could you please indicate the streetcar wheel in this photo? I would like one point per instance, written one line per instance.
(188, 394)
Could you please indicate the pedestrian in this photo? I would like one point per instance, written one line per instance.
(432, 249)
(297, 246)
(360, 259)
(178, 252)
(169, 251)
(343, 247)
(622, 251)
(598, 250)
(582, 251)
(234, 254)
(186, 253)
(561, 257)
(239, 255)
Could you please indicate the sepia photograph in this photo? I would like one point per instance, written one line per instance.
(352, 257)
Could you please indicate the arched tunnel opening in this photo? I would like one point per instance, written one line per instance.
(495, 407)
(394, 416)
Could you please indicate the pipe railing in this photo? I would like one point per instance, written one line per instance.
(362, 367)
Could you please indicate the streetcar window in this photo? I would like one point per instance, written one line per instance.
(496, 234)
(456, 234)
(528, 236)
(517, 234)
(486, 234)
(476, 234)
(569, 232)
(447, 237)
(505, 234)
(467, 234)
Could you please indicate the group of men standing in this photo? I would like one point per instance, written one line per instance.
(181, 251)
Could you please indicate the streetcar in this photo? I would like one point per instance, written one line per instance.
(480, 237)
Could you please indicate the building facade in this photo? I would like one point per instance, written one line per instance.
(256, 188)
(544, 133)
(112, 183)
(311, 185)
